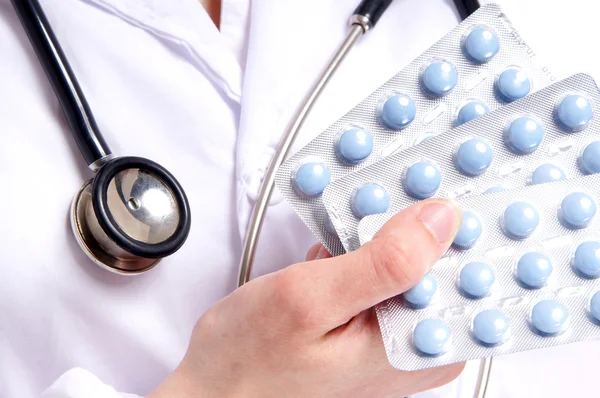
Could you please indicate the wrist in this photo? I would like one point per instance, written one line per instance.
(177, 385)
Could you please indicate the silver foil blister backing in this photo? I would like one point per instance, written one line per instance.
(397, 320)
(474, 81)
(507, 168)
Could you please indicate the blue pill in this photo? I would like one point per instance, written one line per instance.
(369, 199)
(420, 295)
(439, 78)
(589, 161)
(354, 146)
(491, 327)
(481, 44)
(524, 135)
(496, 188)
(549, 318)
(473, 157)
(469, 232)
(476, 279)
(398, 111)
(574, 113)
(533, 270)
(471, 110)
(586, 261)
(595, 306)
(577, 210)
(422, 180)
(513, 84)
(311, 178)
(547, 172)
(520, 219)
(432, 337)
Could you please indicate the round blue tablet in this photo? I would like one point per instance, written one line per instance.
(496, 188)
(311, 178)
(533, 270)
(471, 110)
(491, 327)
(422, 179)
(469, 232)
(577, 210)
(354, 145)
(574, 113)
(547, 172)
(369, 199)
(473, 157)
(476, 279)
(549, 318)
(432, 337)
(524, 135)
(398, 111)
(595, 306)
(422, 293)
(481, 44)
(519, 220)
(513, 84)
(589, 161)
(439, 78)
(586, 261)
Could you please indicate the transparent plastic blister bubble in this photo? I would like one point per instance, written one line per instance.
(461, 70)
(506, 293)
(519, 144)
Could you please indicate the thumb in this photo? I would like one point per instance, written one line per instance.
(395, 260)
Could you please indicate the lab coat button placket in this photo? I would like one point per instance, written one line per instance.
(255, 179)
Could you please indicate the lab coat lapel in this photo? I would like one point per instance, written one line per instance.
(184, 25)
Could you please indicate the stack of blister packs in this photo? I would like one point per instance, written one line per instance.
(477, 119)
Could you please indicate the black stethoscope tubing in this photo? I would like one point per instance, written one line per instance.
(86, 133)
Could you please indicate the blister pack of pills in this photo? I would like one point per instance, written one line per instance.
(479, 66)
(523, 273)
(550, 135)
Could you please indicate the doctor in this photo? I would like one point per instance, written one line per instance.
(206, 88)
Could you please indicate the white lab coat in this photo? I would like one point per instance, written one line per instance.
(165, 84)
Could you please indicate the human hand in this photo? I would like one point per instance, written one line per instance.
(309, 330)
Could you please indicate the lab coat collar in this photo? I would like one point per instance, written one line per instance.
(185, 25)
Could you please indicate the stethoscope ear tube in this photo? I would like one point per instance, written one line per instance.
(92, 145)
(368, 12)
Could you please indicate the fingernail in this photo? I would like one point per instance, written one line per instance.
(442, 219)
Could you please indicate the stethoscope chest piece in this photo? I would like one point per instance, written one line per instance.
(130, 216)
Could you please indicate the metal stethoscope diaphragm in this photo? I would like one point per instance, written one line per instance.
(133, 212)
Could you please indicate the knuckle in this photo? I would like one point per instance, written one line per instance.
(294, 300)
(207, 324)
(395, 261)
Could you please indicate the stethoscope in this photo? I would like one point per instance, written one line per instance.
(133, 212)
